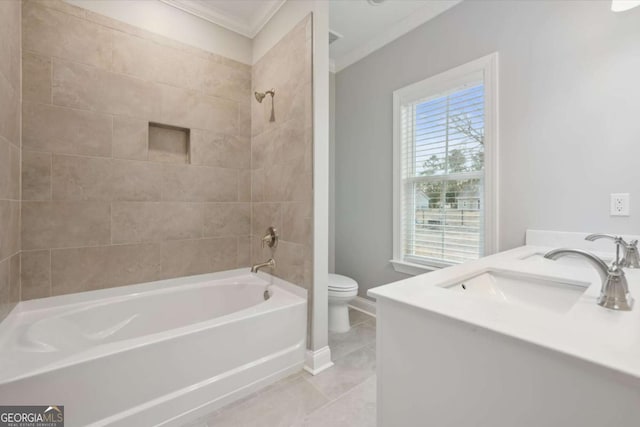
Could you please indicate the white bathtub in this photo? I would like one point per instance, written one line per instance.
(158, 353)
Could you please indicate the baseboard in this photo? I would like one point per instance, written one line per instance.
(364, 305)
(317, 361)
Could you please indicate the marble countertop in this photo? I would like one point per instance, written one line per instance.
(586, 331)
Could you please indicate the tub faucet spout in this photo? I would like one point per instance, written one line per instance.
(271, 263)
(614, 293)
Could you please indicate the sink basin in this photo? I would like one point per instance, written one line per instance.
(547, 293)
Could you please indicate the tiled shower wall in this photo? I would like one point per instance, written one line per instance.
(99, 210)
(9, 155)
(282, 155)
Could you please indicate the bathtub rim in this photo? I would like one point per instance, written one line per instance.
(292, 295)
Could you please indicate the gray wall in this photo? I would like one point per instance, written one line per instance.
(569, 121)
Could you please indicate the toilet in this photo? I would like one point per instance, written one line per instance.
(342, 290)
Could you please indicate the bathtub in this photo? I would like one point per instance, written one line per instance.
(160, 353)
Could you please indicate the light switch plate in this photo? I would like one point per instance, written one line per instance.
(620, 204)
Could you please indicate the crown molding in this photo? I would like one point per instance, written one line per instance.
(393, 32)
(247, 29)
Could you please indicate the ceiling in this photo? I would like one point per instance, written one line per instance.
(246, 17)
(366, 27)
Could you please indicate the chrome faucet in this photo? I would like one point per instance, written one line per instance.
(271, 263)
(615, 289)
(630, 257)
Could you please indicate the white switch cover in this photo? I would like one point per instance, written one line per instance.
(619, 204)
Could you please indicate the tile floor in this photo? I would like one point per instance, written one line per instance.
(342, 396)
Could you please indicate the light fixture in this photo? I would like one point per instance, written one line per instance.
(375, 2)
(622, 5)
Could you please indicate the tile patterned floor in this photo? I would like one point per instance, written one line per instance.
(342, 396)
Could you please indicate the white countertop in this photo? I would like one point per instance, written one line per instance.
(587, 331)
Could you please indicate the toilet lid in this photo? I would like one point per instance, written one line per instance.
(339, 283)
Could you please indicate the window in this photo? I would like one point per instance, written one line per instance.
(444, 168)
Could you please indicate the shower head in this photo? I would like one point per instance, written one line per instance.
(261, 95)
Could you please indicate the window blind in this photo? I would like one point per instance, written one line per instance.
(442, 176)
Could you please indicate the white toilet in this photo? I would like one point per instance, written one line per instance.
(342, 290)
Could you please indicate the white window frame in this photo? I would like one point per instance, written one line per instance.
(488, 66)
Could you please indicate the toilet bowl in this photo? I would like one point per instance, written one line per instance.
(342, 290)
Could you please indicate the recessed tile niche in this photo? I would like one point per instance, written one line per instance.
(168, 144)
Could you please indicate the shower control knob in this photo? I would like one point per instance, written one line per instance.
(270, 238)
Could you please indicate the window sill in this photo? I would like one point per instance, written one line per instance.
(411, 268)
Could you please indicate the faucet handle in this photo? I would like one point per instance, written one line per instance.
(270, 238)
(630, 257)
(616, 239)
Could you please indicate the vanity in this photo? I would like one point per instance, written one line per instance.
(510, 340)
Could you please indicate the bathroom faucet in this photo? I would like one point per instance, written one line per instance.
(271, 263)
(630, 257)
(615, 289)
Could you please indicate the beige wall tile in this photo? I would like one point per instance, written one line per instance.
(297, 222)
(9, 170)
(87, 88)
(188, 108)
(10, 41)
(128, 219)
(134, 180)
(136, 56)
(51, 32)
(9, 155)
(293, 143)
(282, 156)
(265, 215)
(130, 138)
(257, 185)
(199, 184)
(86, 269)
(149, 60)
(36, 274)
(227, 219)
(86, 178)
(64, 224)
(63, 130)
(244, 252)
(152, 60)
(36, 78)
(36, 175)
(264, 153)
(168, 144)
(288, 182)
(189, 257)
(9, 111)
(244, 185)
(244, 115)
(290, 262)
(14, 279)
(5, 304)
(218, 149)
(225, 81)
(9, 228)
(134, 222)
